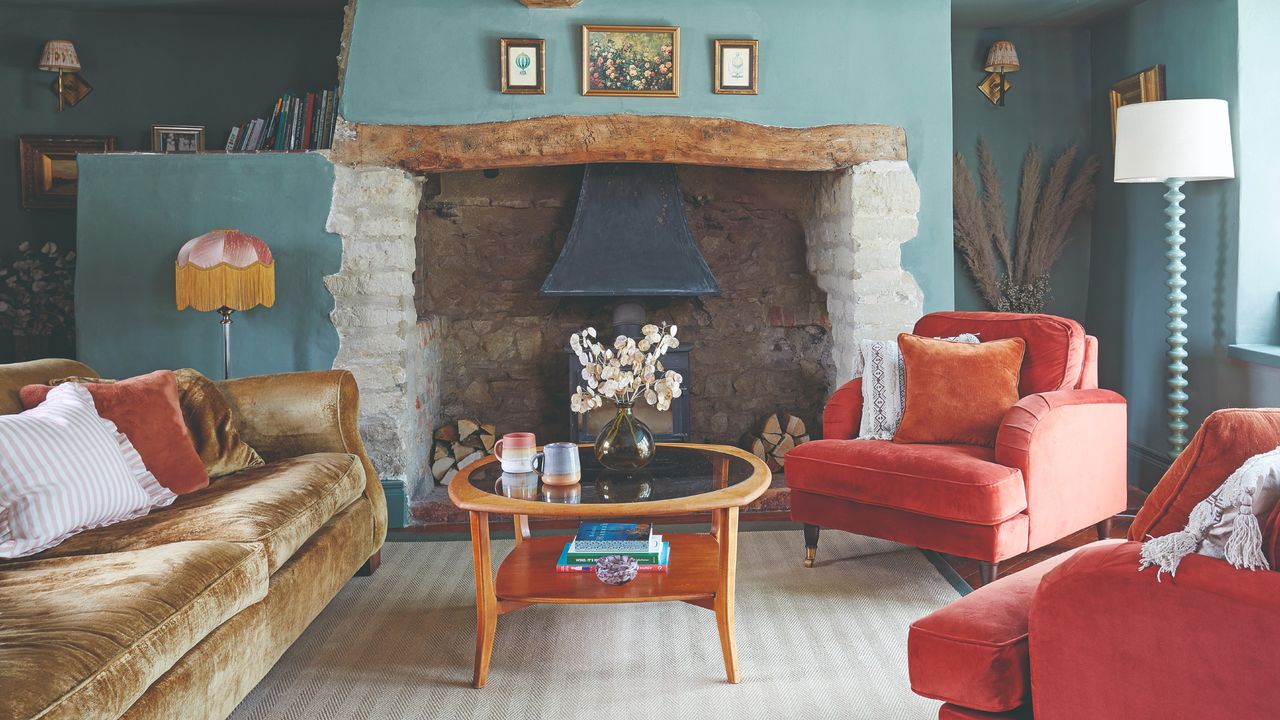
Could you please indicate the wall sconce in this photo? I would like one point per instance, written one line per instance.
(1001, 59)
(60, 57)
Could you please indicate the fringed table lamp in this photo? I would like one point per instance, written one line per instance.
(225, 270)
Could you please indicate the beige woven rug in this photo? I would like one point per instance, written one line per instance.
(828, 642)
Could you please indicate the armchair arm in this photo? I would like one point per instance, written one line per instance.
(842, 415)
(1108, 641)
(292, 414)
(1070, 446)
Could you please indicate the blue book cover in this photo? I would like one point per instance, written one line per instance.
(598, 536)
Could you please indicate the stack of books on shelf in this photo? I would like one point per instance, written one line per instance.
(303, 122)
(596, 540)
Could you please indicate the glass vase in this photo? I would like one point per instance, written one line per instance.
(625, 443)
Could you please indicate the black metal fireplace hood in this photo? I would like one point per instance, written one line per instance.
(630, 237)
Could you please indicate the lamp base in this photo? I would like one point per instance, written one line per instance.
(225, 312)
(1177, 353)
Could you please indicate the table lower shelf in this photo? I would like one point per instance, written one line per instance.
(528, 574)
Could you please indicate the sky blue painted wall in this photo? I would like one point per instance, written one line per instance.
(1198, 41)
(829, 61)
(136, 211)
(1049, 106)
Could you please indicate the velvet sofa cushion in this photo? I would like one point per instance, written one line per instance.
(951, 482)
(84, 637)
(957, 392)
(1055, 356)
(147, 411)
(212, 424)
(277, 506)
(1224, 441)
(15, 376)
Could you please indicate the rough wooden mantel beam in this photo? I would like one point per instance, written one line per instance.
(549, 3)
(577, 139)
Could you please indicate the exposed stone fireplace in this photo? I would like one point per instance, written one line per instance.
(437, 303)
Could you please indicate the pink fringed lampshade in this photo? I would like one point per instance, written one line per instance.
(225, 268)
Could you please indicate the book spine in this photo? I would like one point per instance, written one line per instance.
(231, 139)
(243, 142)
(643, 559)
(322, 139)
(592, 568)
(297, 123)
(255, 131)
(284, 114)
(333, 117)
(269, 138)
(306, 122)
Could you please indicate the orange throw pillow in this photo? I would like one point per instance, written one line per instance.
(957, 392)
(146, 410)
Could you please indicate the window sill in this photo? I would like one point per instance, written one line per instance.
(1261, 354)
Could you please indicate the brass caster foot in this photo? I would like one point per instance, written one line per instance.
(810, 554)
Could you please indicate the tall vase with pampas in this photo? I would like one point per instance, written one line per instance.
(1012, 272)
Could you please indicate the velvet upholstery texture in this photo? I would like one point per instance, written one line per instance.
(146, 410)
(1055, 353)
(83, 637)
(842, 415)
(957, 392)
(212, 425)
(277, 506)
(950, 482)
(15, 376)
(956, 712)
(1224, 441)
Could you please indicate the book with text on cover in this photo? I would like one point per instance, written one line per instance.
(664, 560)
(613, 537)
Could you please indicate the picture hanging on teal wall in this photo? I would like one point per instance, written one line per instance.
(630, 60)
(524, 69)
(737, 67)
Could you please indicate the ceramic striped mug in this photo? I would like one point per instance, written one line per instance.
(516, 451)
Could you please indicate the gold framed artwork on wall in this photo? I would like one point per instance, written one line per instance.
(49, 172)
(737, 67)
(631, 60)
(524, 69)
(1144, 86)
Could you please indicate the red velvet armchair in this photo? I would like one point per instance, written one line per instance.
(1058, 464)
(1086, 635)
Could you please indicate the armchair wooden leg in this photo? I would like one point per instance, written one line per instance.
(1104, 529)
(988, 572)
(810, 544)
(371, 565)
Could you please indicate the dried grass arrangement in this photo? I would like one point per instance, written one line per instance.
(1012, 273)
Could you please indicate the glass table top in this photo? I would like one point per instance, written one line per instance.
(675, 472)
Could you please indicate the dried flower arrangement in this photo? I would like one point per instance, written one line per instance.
(628, 371)
(36, 290)
(1012, 274)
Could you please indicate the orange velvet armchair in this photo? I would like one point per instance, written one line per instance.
(1058, 464)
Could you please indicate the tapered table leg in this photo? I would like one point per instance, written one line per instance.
(521, 527)
(727, 522)
(486, 600)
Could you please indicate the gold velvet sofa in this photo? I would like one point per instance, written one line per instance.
(180, 613)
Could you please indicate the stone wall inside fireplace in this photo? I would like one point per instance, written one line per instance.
(485, 244)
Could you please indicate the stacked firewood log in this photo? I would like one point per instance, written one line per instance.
(457, 445)
(774, 438)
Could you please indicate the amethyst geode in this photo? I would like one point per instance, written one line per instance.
(616, 569)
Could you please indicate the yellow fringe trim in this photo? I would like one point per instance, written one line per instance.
(224, 285)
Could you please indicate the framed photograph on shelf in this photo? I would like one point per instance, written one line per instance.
(1144, 86)
(631, 60)
(737, 67)
(524, 69)
(47, 167)
(177, 138)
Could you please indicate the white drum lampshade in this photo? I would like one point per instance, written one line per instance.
(1185, 139)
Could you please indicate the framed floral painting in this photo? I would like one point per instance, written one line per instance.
(635, 60)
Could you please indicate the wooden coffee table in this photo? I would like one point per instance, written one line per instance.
(682, 479)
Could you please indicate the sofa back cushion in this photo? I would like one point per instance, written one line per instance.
(1055, 346)
(1224, 441)
(15, 376)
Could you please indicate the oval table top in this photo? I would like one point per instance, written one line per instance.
(682, 478)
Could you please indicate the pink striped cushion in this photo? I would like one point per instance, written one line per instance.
(64, 469)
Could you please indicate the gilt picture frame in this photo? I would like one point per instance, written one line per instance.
(177, 138)
(524, 66)
(631, 60)
(737, 67)
(48, 171)
(1144, 86)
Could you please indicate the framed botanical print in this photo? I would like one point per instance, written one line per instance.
(631, 60)
(1144, 86)
(177, 138)
(737, 67)
(524, 69)
(47, 164)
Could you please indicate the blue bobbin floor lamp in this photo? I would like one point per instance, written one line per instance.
(1174, 142)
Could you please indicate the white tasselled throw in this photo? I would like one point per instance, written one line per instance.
(1225, 524)
(64, 469)
(884, 389)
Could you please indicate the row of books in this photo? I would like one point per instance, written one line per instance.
(302, 122)
(596, 540)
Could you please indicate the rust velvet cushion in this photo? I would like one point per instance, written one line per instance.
(957, 392)
(146, 410)
(1055, 353)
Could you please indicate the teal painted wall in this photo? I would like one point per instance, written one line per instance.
(1203, 45)
(1050, 105)
(834, 61)
(136, 211)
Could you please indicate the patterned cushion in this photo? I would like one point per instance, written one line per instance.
(64, 469)
(884, 389)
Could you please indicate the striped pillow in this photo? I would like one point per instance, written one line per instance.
(64, 469)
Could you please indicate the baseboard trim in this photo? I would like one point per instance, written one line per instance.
(397, 496)
(1144, 454)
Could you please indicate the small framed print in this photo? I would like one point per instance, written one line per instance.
(737, 67)
(524, 69)
(74, 88)
(177, 138)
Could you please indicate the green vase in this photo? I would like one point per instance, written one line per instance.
(625, 443)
